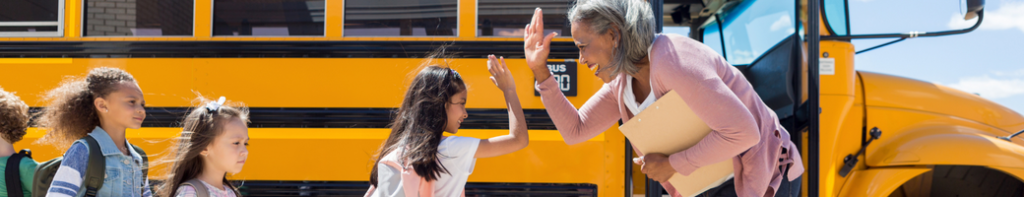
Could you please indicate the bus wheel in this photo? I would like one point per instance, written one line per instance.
(961, 181)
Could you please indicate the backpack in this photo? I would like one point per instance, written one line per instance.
(201, 190)
(94, 172)
(12, 173)
(412, 183)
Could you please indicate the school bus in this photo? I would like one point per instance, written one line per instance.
(861, 133)
(321, 77)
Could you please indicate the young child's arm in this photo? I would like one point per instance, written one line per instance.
(517, 138)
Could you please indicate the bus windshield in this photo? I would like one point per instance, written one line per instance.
(750, 29)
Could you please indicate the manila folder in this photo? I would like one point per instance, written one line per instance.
(669, 126)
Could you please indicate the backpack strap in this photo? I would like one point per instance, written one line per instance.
(12, 173)
(201, 190)
(412, 183)
(145, 163)
(96, 169)
(145, 160)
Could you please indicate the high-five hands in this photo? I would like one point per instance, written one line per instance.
(537, 46)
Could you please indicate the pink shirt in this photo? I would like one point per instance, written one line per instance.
(745, 129)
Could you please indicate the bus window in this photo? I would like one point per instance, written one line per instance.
(268, 18)
(31, 18)
(713, 38)
(138, 17)
(401, 17)
(753, 27)
(502, 18)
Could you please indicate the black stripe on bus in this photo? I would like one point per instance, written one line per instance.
(345, 118)
(346, 188)
(273, 49)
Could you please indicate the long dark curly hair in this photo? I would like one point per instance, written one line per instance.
(71, 114)
(421, 121)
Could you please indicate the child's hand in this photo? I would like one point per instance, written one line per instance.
(500, 74)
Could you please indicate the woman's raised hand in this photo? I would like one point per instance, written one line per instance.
(500, 74)
(537, 46)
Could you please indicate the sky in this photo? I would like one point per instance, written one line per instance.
(988, 61)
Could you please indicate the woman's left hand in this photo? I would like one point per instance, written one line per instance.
(655, 166)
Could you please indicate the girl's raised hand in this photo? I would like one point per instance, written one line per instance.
(500, 74)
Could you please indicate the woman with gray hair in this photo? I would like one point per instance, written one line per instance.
(617, 40)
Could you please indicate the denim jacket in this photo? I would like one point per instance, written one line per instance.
(123, 176)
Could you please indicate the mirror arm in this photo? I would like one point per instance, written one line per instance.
(880, 46)
(913, 34)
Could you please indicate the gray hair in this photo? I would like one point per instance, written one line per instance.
(634, 21)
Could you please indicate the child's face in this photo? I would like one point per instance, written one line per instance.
(228, 150)
(456, 112)
(125, 107)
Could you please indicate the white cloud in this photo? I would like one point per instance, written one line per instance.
(989, 87)
(1007, 16)
(1018, 73)
(783, 22)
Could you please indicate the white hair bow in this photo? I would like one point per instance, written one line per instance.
(214, 106)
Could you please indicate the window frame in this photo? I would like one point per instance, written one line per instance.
(59, 23)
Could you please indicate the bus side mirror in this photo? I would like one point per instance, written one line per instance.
(973, 7)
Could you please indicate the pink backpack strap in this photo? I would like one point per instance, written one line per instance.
(370, 191)
(413, 183)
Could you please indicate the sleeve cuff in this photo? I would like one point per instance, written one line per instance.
(681, 164)
(548, 85)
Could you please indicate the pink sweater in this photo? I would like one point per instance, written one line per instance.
(745, 129)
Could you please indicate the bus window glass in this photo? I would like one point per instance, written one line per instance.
(507, 18)
(138, 17)
(753, 27)
(713, 38)
(268, 17)
(30, 18)
(401, 17)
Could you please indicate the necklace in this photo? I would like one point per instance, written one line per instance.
(124, 150)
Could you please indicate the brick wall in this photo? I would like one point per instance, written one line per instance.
(118, 17)
(110, 17)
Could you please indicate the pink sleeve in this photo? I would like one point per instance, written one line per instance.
(695, 78)
(597, 115)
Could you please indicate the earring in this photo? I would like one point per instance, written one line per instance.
(106, 110)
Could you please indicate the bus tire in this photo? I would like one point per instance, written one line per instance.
(974, 181)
